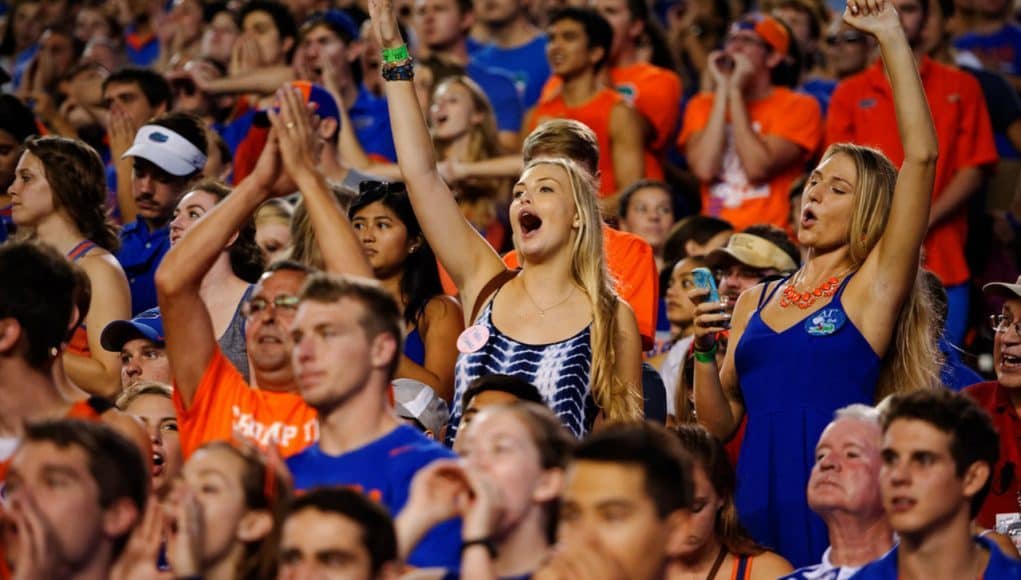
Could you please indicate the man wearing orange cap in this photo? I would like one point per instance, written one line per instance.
(748, 139)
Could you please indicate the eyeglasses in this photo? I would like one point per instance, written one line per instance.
(846, 37)
(1000, 323)
(285, 302)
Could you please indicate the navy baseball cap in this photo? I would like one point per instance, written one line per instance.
(148, 325)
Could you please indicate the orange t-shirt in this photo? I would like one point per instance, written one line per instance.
(630, 262)
(225, 407)
(861, 111)
(653, 91)
(596, 115)
(731, 196)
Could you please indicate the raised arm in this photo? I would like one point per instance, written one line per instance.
(468, 258)
(892, 264)
(190, 339)
(342, 252)
(627, 145)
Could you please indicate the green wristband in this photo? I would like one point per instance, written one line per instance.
(392, 55)
(707, 356)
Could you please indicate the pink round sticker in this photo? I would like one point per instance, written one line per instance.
(473, 338)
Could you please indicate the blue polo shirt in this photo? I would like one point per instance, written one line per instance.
(502, 93)
(1000, 567)
(140, 254)
(383, 470)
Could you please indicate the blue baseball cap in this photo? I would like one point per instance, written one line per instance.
(147, 325)
(339, 21)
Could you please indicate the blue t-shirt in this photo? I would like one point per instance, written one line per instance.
(234, 132)
(999, 567)
(1002, 47)
(140, 254)
(7, 226)
(370, 119)
(383, 471)
(821, 90)
(527, 64)
(503, 95)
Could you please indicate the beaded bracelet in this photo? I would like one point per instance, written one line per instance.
(395, 55)
(399, 72)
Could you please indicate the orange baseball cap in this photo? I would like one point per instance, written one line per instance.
(768, 28)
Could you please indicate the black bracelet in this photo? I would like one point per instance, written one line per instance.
(399, 72)
(487, 542)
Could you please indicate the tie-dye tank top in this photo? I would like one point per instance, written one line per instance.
(559, 370)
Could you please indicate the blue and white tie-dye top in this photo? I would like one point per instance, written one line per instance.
(560, 371)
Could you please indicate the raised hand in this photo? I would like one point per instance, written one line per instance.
(140, 555)
(875, 17)
(710, 319)
(121, 130)
(581, 558)
(295, 131)
(245, 57)
(35, 543)
(720, 66)
(384, 23)
(743, 70)
(438, 493)
(186, 532)
(481, 514)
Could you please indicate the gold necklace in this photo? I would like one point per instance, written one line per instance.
(543, 311)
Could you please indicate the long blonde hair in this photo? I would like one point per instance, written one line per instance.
(618, 401)
(914, 359)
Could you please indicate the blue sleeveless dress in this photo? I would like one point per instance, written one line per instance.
(792, 382)
(559, 370)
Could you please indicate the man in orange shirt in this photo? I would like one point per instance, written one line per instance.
(212, 399)
(653, 91)
(861, 112)
(578, 50)
(748, 139)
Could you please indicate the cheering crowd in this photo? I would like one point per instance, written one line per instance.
(603, 289)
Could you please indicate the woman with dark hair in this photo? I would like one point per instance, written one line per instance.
(402, 260)
(228, 283)
(57, 198)
(712, 544)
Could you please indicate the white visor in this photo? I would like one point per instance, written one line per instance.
(168, 150)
